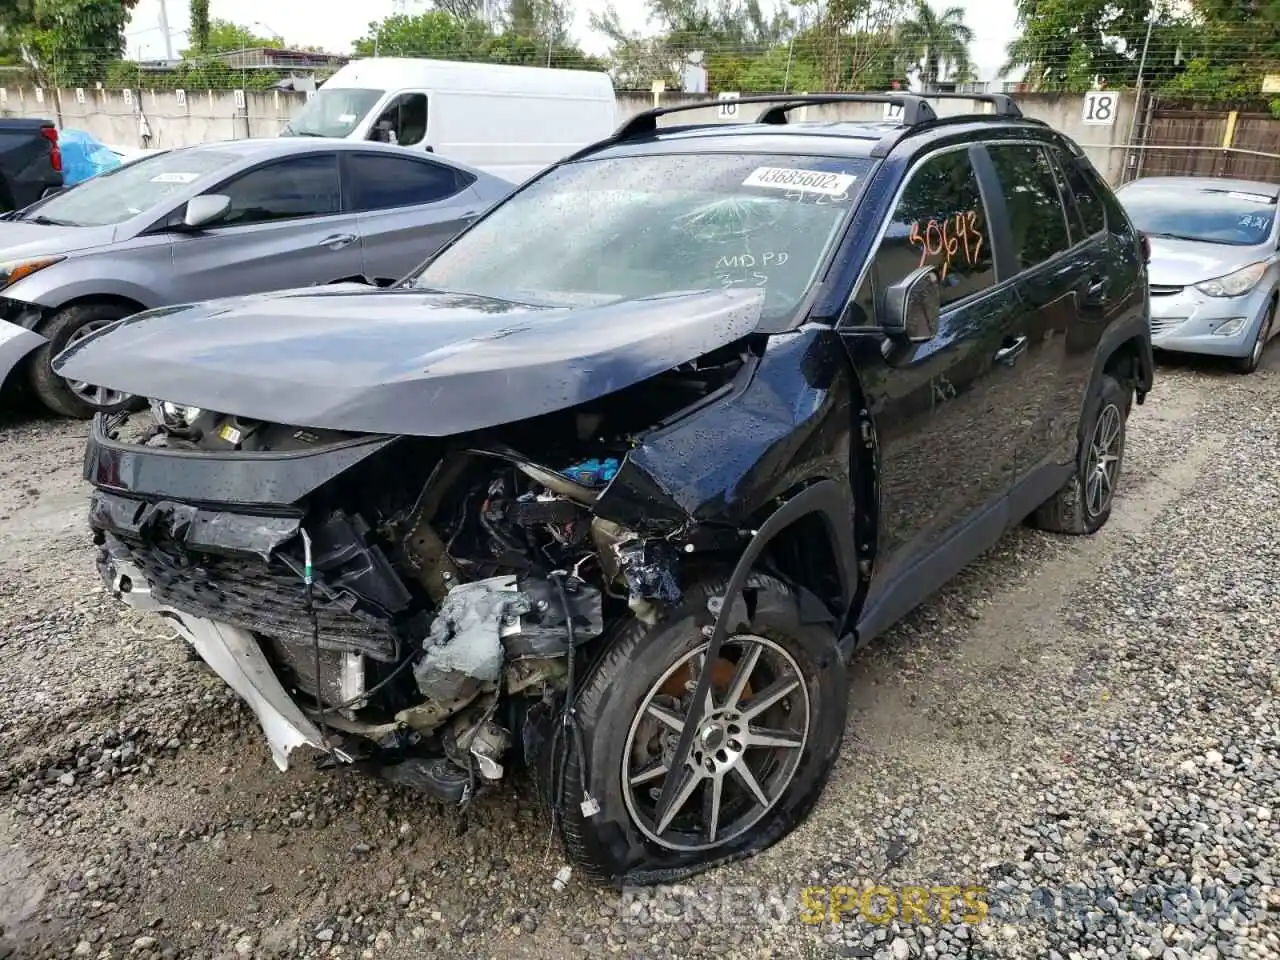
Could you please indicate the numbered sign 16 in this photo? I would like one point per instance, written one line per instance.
(1100, 107)
(729, 105)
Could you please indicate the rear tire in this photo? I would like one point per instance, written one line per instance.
(60, 330)
(644, 666)
(1083, 504)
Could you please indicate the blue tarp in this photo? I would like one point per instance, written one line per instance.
(84, 156)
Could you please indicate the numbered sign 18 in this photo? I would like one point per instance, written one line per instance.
(1100, 107)
(728, 105)
(893, 112)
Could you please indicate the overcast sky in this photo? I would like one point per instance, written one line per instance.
(336, 24)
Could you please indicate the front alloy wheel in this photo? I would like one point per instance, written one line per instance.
(762, 743)
(751, 732)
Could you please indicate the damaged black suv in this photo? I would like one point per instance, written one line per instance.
(614, 485)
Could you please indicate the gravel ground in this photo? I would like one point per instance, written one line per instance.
(1084, 730)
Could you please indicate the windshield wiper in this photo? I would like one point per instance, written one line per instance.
(47, 221)
(1174, 236)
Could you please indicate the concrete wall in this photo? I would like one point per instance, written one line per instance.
(200, 116)
(173, 120)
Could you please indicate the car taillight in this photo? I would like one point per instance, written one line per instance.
(1144, 244)
(55, 151)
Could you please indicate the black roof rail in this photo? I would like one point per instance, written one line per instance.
(915, 109)
(886, 143)
(1002, 104)
(916, 113)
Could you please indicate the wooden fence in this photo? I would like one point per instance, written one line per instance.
(1187, 140)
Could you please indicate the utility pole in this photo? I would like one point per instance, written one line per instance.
(164, 28)
(1129, 153)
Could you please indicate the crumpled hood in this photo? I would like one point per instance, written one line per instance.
(401, 361)
(1180, 263)
(26, 241)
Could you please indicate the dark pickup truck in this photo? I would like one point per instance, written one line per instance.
(30, 161)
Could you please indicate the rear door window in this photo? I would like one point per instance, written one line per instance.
(940, 220)
(1037, 218)
(381, 181)
(1092, 213)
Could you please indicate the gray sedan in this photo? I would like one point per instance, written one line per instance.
(213, 220)
(1215, 272)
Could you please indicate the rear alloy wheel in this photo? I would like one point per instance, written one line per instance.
(1083, 504)
(72, 398)
(765, 738)
(1250, 363)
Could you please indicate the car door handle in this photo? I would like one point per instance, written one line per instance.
(1096, 293)
(1013, 348)
(338, 241)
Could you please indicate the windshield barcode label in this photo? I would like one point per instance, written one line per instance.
(807, 181)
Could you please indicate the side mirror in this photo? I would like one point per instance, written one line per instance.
(204, 209)
(912, 305)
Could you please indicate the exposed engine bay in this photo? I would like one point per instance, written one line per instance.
(419, 605)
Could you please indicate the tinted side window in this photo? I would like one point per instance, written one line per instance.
(298, 187)
(940, 220)
(1036, 214)
(1090, 206)
(379, 181)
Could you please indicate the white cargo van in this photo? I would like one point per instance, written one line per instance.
(509, 121)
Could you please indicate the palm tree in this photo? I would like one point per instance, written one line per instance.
(938, 41)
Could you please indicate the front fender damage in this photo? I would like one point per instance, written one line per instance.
(453, 582)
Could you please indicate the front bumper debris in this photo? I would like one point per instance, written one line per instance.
(235, 656)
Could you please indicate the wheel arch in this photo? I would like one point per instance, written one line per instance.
(807, 539)
(93, 300)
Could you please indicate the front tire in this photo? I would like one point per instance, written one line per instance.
(765, 748)
(1249, 364)
(63, 397)
(1083, 504)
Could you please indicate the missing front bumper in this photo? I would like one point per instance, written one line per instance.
(236, 657)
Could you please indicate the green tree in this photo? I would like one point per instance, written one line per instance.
(200, 25)
(433, 34)
(853, 43)
(939, 42)
(1228, 46)
(225, 37)
(441, 36)
(1068, 44)
(67, 42)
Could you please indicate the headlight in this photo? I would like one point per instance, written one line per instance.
(1234, 284)
(14, 270)
(173, 414)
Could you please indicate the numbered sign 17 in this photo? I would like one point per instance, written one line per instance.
(893, 112)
